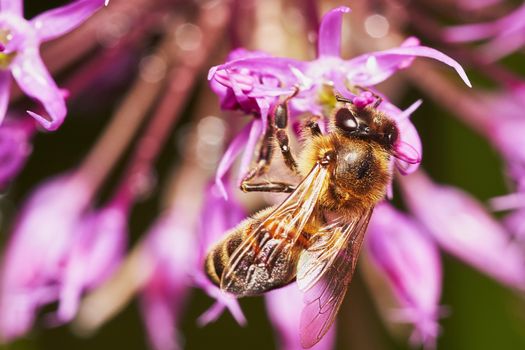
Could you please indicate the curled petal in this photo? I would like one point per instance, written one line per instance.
(329, 43)
(14, 6)
(5, 85)
(464, 228)
(373, 68)
(408, 150)
(284, 307)
(34, 79)
(241, 83)
(234, 149)
(57, 22)
(410, 262)
(256, 133)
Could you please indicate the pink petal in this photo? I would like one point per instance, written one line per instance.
(13, 6)
(463, 227)
(15, 147)
(171, 249)
(99, 248)
(410, 262)
(40, 243)
(284, 307)
(329, 43)
(409, 150)
(234, 149)
(5, 85)
(500, 27)
(57, 22)
(218, 216)
(256, 133)
(34, 79)
(161, 308)
(503, 45)
(373, 68)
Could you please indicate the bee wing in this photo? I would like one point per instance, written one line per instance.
(274, 238)
(324, 271)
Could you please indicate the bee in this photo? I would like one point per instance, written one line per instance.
(315, 235)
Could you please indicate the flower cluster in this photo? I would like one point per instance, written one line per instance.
(66, 258)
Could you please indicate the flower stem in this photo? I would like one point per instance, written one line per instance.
(123, 126)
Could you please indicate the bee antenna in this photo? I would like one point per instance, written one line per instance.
(340, 98)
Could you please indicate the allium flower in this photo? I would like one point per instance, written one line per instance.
(99, 244)
(465, 229)
(170, 251)
(284, 309)
(410, 261)
(218, 216)
(15, 148)
(254, 81)
(20, 40)
(32, 267)
(505, 35)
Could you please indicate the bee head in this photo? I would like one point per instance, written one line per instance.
(368, 124)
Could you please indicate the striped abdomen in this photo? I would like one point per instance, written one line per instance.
(268, 261)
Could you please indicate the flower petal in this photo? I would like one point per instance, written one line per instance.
(30, 274)
(59, 21)
(15, 147)
(256, 133)
(234, 149)
(409, 150)
(284, 307)
(13, 6)
(98, 249)
(329, 43)
(33, 78)
(373, 68)
(5, 85)
(464, 228)
(218, 216)
(410, 262)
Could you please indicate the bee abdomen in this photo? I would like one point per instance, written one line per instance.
(219, 256)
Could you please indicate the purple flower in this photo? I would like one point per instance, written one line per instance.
(218, 216)
(21, 39)
(170, 251)
(253, 82)
(99, 244)
(465, 229)
(506, 131)
(15, 147)
(33, 263)
(284, 309)
(410, 261)
(505, 35)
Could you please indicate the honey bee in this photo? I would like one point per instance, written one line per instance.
(315, 235)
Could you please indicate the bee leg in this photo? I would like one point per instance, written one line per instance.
(340, 98)
(264, 158)
(313, 125)
(280, 120)
(279, 187)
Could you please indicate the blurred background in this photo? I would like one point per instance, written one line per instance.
(103, 62)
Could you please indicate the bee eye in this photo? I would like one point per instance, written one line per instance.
(392, 137)
(345, 120)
